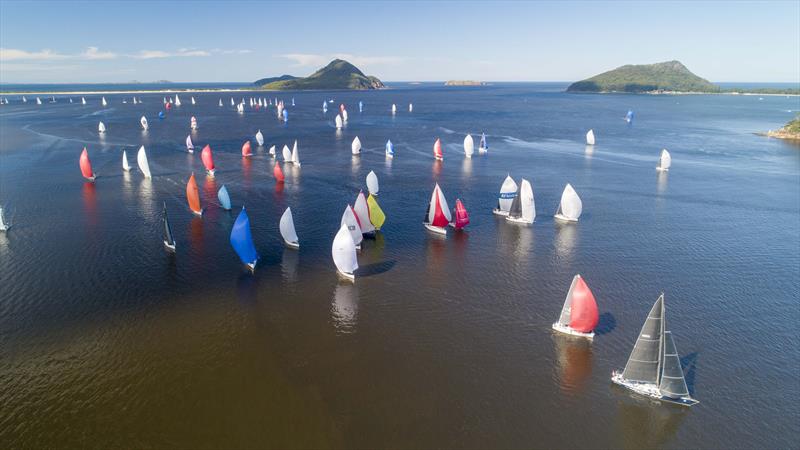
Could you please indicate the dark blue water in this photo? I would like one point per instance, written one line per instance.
(108, 341)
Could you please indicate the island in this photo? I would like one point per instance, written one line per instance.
(464, 83)
(339, 74)
(664, 77)
(790, 131)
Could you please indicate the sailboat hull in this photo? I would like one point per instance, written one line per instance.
(346, 276)
(198, 213)
(210, 173)
(563, 218)
(483, 150)
(661, 169)
(169, 247)
(294, 245)
(434, 229)
(518, 220)
(499, 212)
(649, 390)
(567, 330)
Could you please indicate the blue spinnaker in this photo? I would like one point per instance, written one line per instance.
(224, 198)
(242, 240)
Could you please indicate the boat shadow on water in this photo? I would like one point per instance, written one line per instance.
(606, 324)
(375, 268)
(689, 365)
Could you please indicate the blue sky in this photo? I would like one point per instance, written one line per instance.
(494, 41)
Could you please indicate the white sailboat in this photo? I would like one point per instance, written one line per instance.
(220, 102)
(193, 102)
(372, 183)
(394, 108)
(389, 149)
(260, 138)
(438, 215)
(355, 147)
(523, 208)
(339, 122)
(351, 222)
(125, 166)
(104, 102)
(24, 100)
(508, 192)
(143, 121)
(324, 107)
(344, 253)
(469, 146)
(232, 102)
(344, 115)
(410, 107)
(144, 166)
(295, 155)
(590, 137)
(272, 151)
(38, 101)
(4, 226)
(361, 210)
(664, 162)
(177, 100)
(240, 108)
(83, 101)
(570, 207)
(288, 232)
(287, 154)
(483, 147)
(101, 127)
(193, 123)
(189, 144)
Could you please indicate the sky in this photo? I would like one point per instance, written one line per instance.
(216, 41)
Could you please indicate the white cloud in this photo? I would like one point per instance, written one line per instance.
(303, 59)
(95, 53)
(12, 54)
(152, 54)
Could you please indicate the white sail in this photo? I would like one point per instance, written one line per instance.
(143, 121)
(260, 138)
(220, 102)
(232, 102)
(101, 127)
(394, 108)
(272, 151)
(288, 232)
(469, 146)
(193, 123)
(3, 225)
(344, 115)
(508, 191)
(355, 147)
(24, 100)
(83, 101)
(125, 166)
(295, 154)
(240, 108)
(193, 102)
(287, 154)
(350, 221)
(410, 107)
(590, 137)
(527, 207)
(189, 143)
(344, 252)
(38, 101)
(104, 102)
(339, 122)
(437, 192)
(141, 159)
(665, 161)
(571, 206)
(361, 210)
(372, 183)
(177, 100)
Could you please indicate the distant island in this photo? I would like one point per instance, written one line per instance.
(790, 131)
(670, 76)
(463, 83)
(339, 74)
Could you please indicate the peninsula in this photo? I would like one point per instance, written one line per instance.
(670, 76)
(339, 74)
(790, 131)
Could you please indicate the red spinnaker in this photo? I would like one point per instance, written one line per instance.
(462, 218)
(278, 172)
(86, 165)
(584, 315)
(246, 151)
(439, 219)
(437, 149)
(208, 159)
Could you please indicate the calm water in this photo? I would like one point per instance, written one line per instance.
(108, 341)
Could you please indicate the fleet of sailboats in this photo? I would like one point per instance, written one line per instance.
(570, 207)
(579, 315)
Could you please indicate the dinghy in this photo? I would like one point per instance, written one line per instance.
(664, 162)
(224, 198)
(177, 100)
(361, 210)
(344, 253)
(523, 208)
(350, 220)
(260, 138)
(169, 239)
(360, 106)
(193, 196)
(629, 116)
(590, 137)
(438, 214)
(103, 101)
(295, 155)
(4, 226)
(189, 144)
(410, 107)
(287, 154)
(372, 183)
(143, 121)
(125, 166)
(654, 367)
(86, 166)
(508, 192)
(389, 149)
(83, 101)
(469, 146)
(247, 149)
(339, 123)
(141, 160)
(208, 160)
(193, 123)
(101, 127)
(579, 314)
(483, 147)
(272, 151)
(376, 215)
(288, 233)
(437, 150)
(292, 101)
(570, 207)
(355, 147)
(461, 217)
(220, 103)
(242, 241)
(278, 173)
(394, 108)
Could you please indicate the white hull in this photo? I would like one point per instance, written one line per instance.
(439, 158)
(483, 150)
(500, 212)
(169, 247)
(211, 173)
(661, 169)
(346, 276)
(567, 330)
(563, 218)
(198, 214)
(519, 220)
(649, 390)
(294, 245)
(251, 266)
(435, 229)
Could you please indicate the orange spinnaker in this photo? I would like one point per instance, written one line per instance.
(193, 195)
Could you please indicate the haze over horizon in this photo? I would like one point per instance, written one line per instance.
(504, 41)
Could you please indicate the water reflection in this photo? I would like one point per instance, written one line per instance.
(566, 240)
(574, 358)
(661, 181)
(247, 165)
(466, 167)
(355, 164)
(289, 262)
(247, 287)
(146, 192)
(460, 241)
(344, 310)
(196, 234)
(209, 194)
(644, 424)
(89, 203)
(436, 169)
(436, 246)
(589, 151)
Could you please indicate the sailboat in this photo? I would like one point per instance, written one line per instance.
(247, 149)
(240, 108)
(193, 196)
(654, 367)
(232, 102)
(579, 314)
(208, 160)
(220, 103)
(394, 108)
(344, 115)
(355, 147)
(189, 144)
(287, 154)
(272, 151)
(469, 146)
(508, 192)
(372, 183)
(664, 162)
(125, 166)
(339, 122)
(141, 160)
(86, 166)
(324, 107)
(523, 207)
(288, 233)
(344, 253)
(278, 173)
(292, 101)
(570, 207)
(438, 215)
(350, 219)
(193, 123)
(101, 127)
(629, 116)
(590, 137)
(242, 241)
(177, 100)
(460, 216)
(103, 101)
(143, 121)
(164, 100)
(437, 150)
(83, 101)
(389, 149)
(161, 113)
(169, 239)
(285, 115)
(295, 155)
(39, 101)
(224, 198)
(483, 147)
(361, 210)
(193, 102)
(4, 226)
(410, 107)
(260, 138)
(360, 106)
(376, 215)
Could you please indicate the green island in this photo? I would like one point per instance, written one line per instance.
(789, 131)
(339, 74)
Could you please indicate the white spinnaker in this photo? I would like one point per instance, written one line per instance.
(344, 115)
(287, 154)
(361, 210)
(338, 121)
(526, 201)
(469, 146)
(571, 205)
(507, 193)
(349, 219)
(141, 159)
(355, 147)
(189, 143)
(372, 183)
(260, 138)
(344, 251)
(287, 227)
(666, 160)
(101, 127)
(590, 137)
(143, 121)
(272, 150)
(125, 166)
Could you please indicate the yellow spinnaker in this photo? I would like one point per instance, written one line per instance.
(376, 215)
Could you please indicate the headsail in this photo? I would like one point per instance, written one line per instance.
(355, 147)
(665, 161)
(189, 144)
(277, 172)
(193, 123)
(286, 227)
(350, 220)
(571, 205)
(287, 154)
(143, 121)
(260, 138)
(338, 122)
(361, 211)
(673, 384)
(461, 215)
(437, 150)
(208, 159)
(376, 215)
(125, 166)
(523, 207)
(101, 127)
(343, 251)
(242, 240)
(86, 165)
(469, 146)
(389, 149)
(246, 149)
(372, 183)
(193, 196)
(590, 137)
(580, 308)
(295, 154)
(508, 192)
(141, 159)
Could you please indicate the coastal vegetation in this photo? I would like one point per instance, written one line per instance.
(669, 76)
(339, 74)
(789, 131)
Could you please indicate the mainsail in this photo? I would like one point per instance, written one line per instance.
(189, 144)
(590, 137)
(389, 149)
(169, 240)
(372, 183)
(286, 227)
(376, 215)
(141, 159)
(644, 364)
